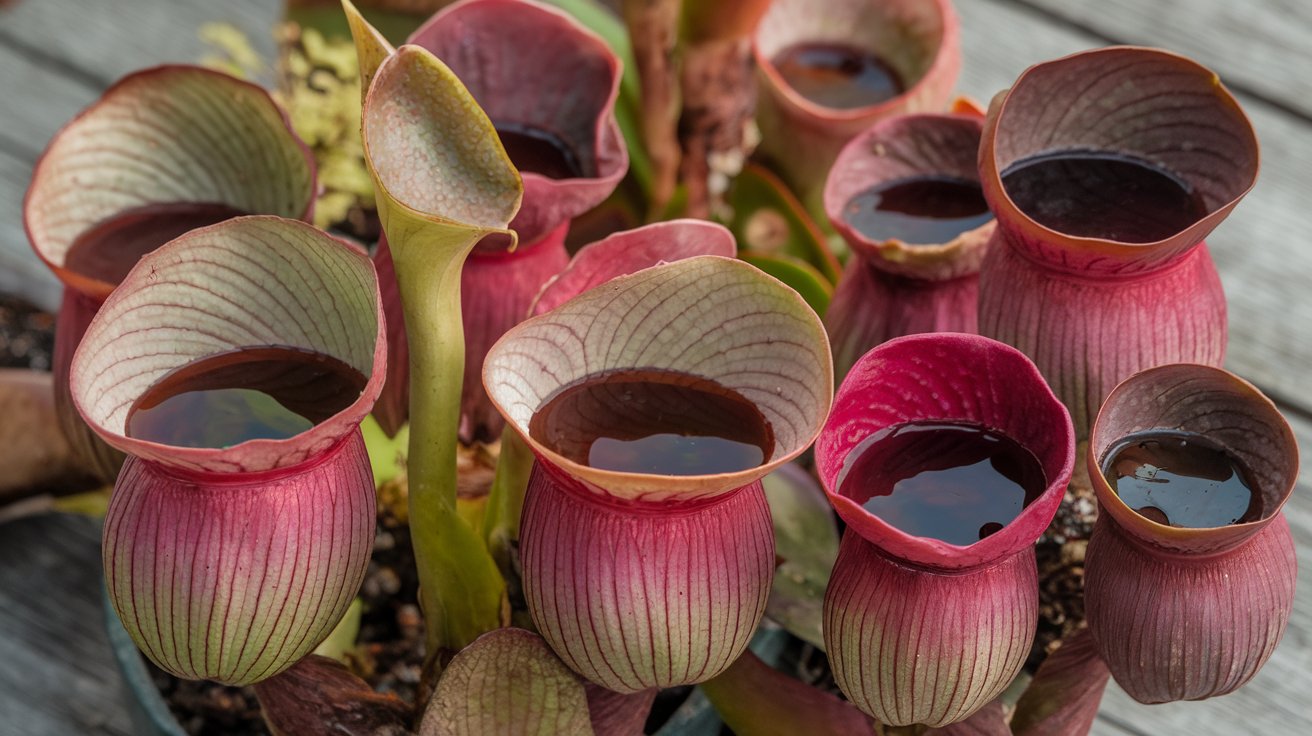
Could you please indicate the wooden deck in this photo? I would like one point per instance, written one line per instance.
(56, 676)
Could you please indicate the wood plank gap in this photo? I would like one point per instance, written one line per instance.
(1120, 724)
(1234, 85)
(18, 149)
(1287, 405)
(59, 64)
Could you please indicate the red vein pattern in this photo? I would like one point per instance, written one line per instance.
(75, 314)
(921, 40)
(908, 646)
(495, 298)
(899, 148)
(1088, 334)
(247, 282)
(991, 720)
(1091, 312)
(168, 134)
(708, 316)
(634, 596)
(891, 288)
(496, 290)
(235, 579)
(919, 630)
(1181, 613)
(507, 682)
(1180, 629)
(871, 307)
(532, 65)
(955, 377)
(623, 253)
(232, 563)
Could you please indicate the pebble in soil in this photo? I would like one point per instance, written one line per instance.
(1060, 557)
(27, 335)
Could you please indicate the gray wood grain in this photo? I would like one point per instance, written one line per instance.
(1261, 250)
(56, 56)
(57, 676)
(1259, 45)
(37, 100)
(98, 42)
(21, 272)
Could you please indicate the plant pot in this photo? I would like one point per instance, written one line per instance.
(151, 716)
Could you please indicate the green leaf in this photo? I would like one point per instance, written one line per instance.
(507, 682)
(769, 220)
(757, 700)
(442, 181)
(386, 454)
(342, 638)
(798, 274)
(806, 539)
(600, 20)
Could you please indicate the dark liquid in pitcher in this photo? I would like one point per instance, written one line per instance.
(109, 249)
(922, 209)
(539, 151)
(1181, 479)
(654, 422)
(1094, 194)
(956, 482)
(837, 75)
(253, 393)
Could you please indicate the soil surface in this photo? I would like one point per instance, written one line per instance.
(27, 334)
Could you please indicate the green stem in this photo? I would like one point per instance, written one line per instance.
(430, 295)
(506, 499)
(460, 589)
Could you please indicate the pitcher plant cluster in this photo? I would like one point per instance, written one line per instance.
(1025, 290)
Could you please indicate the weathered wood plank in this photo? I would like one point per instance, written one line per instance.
(21, 272)
(37, 101)
(1260, 250)
(1113, 724)
(99, 42)
(58, 676)
(1261, 46)
(55, 58)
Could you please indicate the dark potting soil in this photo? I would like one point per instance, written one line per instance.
(1060, 556)
(27, 335)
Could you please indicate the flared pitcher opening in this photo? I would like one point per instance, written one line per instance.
(1191, 459)
(246, 346)
(946, 450)
(1116, 155)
